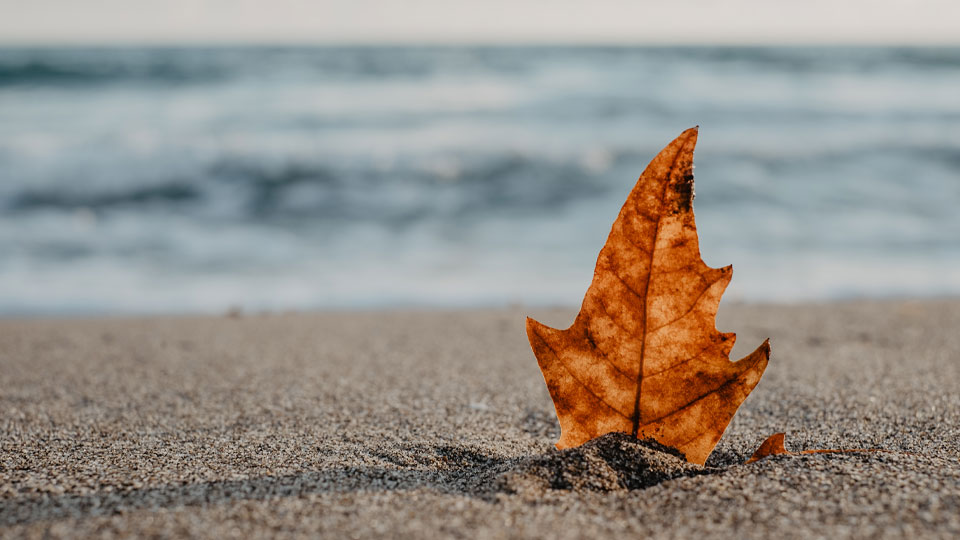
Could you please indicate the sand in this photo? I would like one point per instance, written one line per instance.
(438, 424)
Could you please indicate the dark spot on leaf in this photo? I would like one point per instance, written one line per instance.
(684, 190)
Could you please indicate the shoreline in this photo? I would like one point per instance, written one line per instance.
(400, 309)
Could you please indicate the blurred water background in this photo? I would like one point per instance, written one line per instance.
(139, 180)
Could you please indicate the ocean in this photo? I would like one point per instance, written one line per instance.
(199, 180)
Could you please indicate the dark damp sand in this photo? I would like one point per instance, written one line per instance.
(438, 424)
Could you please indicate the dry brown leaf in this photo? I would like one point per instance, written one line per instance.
(773, 446)
(644, 356)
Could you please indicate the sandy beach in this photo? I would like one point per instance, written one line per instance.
(429, 424)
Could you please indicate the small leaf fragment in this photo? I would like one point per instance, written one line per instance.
(774, 446)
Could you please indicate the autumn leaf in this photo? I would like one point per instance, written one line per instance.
(774, 446)
(644, 356)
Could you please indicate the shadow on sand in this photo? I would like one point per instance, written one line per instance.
(613, 462)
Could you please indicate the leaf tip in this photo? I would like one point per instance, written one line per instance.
(532, 325)
(538, 334)
(690, 135)
(756, 362)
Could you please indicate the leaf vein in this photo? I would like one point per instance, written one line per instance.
(689, 310)
(574, 376)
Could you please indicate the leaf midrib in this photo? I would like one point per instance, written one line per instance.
(646, 290)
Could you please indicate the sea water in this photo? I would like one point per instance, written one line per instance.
(136, 180)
